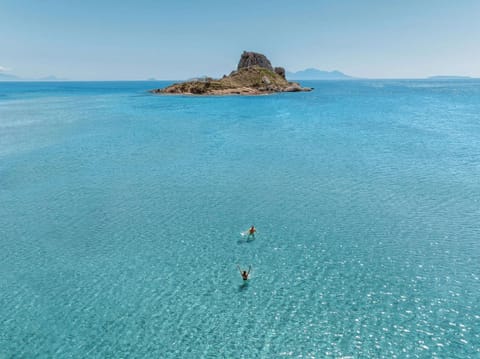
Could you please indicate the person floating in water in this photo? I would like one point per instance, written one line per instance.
(244, 273)
(251, 231)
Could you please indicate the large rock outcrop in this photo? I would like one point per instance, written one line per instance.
(254, 76)
(250, 59)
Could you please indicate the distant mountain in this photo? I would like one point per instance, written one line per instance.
(448, 77)
(315, 74)
(9, 77)
(51, 78)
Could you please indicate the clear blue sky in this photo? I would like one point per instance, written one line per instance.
(109, 40)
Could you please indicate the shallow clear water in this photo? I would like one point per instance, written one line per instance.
(121, 213)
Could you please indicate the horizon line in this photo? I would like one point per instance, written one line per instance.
(434, 77)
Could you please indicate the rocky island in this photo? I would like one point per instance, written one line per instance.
(254, 76)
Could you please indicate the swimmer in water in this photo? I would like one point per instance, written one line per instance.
(251, 231)
(244, 273)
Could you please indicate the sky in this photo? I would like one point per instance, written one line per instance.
(180, 39)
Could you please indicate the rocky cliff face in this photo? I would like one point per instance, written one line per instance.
(254, 76)
(280, 71)
(249, 59)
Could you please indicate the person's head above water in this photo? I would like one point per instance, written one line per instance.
(244, 273)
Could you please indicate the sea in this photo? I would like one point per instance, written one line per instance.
(121, 213)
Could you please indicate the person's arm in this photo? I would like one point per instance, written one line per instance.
(249, 269)
(239, 269)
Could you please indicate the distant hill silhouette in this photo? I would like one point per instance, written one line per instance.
(316, 74)
(449, 77)
(9, 77)
(51, 78)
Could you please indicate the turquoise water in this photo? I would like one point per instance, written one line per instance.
(121, 213)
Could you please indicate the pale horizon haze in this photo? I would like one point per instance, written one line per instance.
(166, 40)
